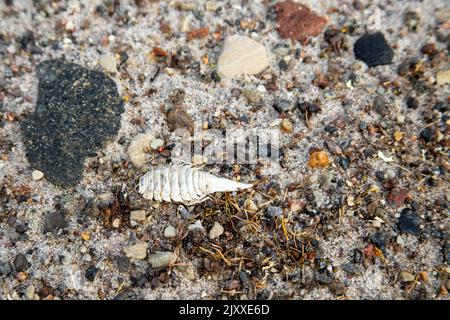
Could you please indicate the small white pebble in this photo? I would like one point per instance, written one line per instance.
(116, 223)
(138, 215)
(37, 175)
(216, 231)
(108, 62)
(170, 232)
(261, 89)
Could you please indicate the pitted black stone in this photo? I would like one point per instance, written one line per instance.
(77, 111)
(373, 50)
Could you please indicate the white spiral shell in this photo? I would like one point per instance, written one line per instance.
(184, 184)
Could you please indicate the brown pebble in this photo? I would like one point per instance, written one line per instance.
(298, 22)
(429, 49)
(178, 118)
(318, 159)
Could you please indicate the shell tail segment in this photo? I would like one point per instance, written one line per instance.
(225, 185)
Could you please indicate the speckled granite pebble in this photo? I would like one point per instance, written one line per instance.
(77, 111)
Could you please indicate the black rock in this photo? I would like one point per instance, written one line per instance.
(344, 162)
(379, 240)
(282, 105)
(91, 271)
(123, 264)
(76, 112)
(330, 128)
(283, 65)
(373, 50)
(215, 76)
(369, 152)
(311, 108)
(380, 106)
(409, 222)
(21, 263)
(54, 221)
(441, 106)
(412, 103)
(427, 134)
(21, 228)
(5, 268)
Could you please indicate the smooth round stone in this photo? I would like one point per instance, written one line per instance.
(37, 175)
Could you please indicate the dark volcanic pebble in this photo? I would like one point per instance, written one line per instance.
(409, 222)
(21, 263)
(54, 221)
(373, 50)
(90, 273)
(412, 103)
(76, 112)
(427, 134)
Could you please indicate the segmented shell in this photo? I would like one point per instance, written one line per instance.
(184, 184)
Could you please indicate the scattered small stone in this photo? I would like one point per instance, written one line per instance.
(424, 276)
(296, 205)
(252, 96)
(162, 259)
(108, 63)
(443, 77)
(54, 221)
(170, 232)
(211, 5)
(373, 50)
(318, 159)
(156, 144)
(428, 134)
(123, 264)
(29, 292)
(216, 230)
(282, 105)
(186, 6)
(333, 147)
(21, 263)
(137, 251)
(297, 22)
(242, 55)
(138, 216)
(37, 175)
(273, 212)
(441, 106)
(380, 106)
(311, 108)
(5, 268)
(429, 49)
(350, 201)
(138, 147)
(250, 205)
(409, 222)
(90, 273)
(397, 196)
(92, 107)
(398, 135)
(286, 125)
(178, 119)
(412, 103)
(406, 277)
(116, 223)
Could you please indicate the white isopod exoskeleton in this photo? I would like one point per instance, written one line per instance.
(184, 184)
